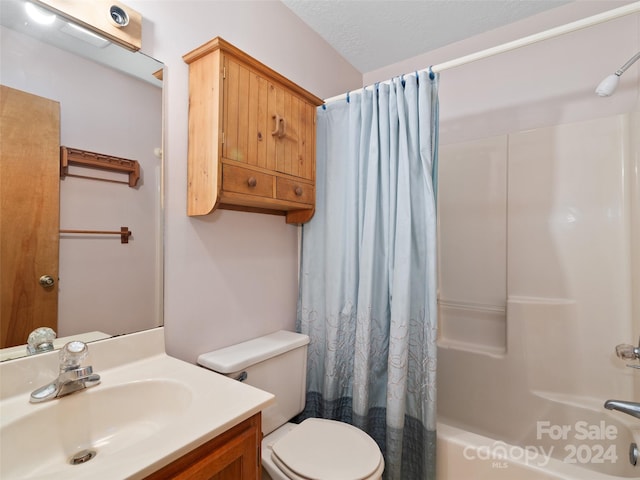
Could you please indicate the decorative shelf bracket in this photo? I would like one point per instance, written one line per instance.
(74, 156)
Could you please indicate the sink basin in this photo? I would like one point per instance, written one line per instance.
(149, 410)
(100, 419)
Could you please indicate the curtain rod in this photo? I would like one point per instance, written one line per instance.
(528, 40)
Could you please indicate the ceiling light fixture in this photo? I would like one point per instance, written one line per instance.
(85, 35)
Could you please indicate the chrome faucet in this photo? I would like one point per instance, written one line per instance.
(630, 408)
(626, 352)
(73, 376)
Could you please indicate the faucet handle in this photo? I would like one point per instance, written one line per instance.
(40, 340)
(629, 352)
(72, 355)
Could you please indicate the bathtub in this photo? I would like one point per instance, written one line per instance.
(464, 455)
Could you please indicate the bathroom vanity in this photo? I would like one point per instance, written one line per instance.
(152, 416)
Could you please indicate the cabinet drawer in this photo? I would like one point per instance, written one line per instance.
(295, 191)
(243, 180)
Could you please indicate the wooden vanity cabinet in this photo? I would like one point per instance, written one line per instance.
(233, 455)
(252, 136)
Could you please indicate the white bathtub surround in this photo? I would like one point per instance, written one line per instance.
(567, 213)
(472, 230)
(205, 404)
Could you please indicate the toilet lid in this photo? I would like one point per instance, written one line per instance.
(320, 449)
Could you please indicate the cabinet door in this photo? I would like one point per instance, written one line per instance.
(265, 125)
(234, 455)
(245, 116)
(236, 460)
(295, 141)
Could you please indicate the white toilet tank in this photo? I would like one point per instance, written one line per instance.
(276, 363)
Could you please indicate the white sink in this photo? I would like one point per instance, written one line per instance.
(100, 420)
(148, 410)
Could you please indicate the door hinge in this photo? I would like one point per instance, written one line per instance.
(224, 72)
(223, 138)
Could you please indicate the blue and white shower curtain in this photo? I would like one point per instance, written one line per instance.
(368, 271)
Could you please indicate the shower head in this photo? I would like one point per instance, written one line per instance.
(610, 83)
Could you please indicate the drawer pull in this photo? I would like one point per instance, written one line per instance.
(298, 191)
(252, 182)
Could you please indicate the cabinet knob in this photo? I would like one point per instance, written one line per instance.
(252, 182)
(298, 191)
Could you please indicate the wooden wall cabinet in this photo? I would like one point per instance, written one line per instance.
(233, 455)
(252, 136)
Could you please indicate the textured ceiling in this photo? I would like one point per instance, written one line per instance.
(371, 34)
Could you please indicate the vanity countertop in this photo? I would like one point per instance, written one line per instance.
(180, 405)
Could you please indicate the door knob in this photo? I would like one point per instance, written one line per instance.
(47, 281)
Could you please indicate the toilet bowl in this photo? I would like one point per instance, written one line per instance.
(315, 449)
(321, 449)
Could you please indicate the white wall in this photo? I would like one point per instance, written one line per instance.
(229, 276)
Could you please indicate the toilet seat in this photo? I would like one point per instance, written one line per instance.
(320, 449)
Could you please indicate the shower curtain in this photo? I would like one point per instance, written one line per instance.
(368, 271)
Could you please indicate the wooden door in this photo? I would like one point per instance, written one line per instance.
(29, 213)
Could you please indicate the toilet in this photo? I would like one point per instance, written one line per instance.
(315, 449)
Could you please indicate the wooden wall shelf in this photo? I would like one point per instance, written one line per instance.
(74, 156)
